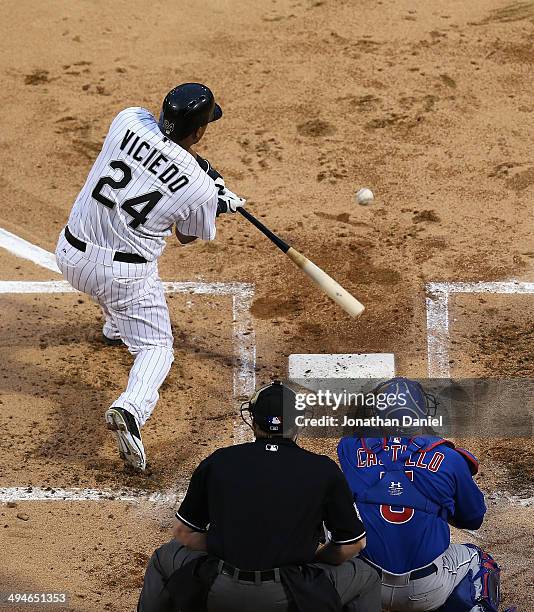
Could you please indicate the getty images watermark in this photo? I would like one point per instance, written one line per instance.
(374, 402)
(468, 407)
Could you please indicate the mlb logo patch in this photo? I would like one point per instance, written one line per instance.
(274, 423)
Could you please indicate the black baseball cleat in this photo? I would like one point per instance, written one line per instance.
(112, 341)
(124, 425)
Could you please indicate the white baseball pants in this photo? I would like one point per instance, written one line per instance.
(133, 303)
(433, 591)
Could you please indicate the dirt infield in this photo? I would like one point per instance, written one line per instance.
(430, 104)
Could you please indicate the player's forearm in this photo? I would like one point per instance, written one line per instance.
(195, 540)
(336, 554)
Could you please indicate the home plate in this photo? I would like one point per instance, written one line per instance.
(343, 365)
(312, 370)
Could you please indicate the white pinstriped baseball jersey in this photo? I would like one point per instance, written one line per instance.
(140, 185)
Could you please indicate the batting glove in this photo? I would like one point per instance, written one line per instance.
(228, 202)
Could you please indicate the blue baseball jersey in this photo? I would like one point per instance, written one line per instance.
(400, 538)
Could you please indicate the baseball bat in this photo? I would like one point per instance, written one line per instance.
(332, 288)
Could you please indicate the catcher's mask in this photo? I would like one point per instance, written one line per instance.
(272, 409)
(405, 397)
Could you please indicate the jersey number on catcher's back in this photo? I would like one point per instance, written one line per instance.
(151, 199)
(398, 515)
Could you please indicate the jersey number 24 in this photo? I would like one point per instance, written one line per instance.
(139, 215)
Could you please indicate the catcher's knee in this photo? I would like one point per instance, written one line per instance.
(479, 589)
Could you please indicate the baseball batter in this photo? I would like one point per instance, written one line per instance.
(146, 181)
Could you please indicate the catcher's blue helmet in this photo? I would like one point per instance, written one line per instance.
(408, 398)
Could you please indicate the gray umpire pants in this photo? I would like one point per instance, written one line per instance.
(356, 582)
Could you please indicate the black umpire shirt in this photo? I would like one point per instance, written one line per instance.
(263, 504)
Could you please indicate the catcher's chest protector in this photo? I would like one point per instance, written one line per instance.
(395, 488)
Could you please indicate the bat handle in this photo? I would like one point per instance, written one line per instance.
(281, 244)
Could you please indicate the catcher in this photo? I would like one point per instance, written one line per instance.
(408, 490)
(146, 180)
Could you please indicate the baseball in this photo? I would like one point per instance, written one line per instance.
(365, 196)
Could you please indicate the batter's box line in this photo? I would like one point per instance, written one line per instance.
(168, 499)
(437, 316)
(244, 376)
(243, 329)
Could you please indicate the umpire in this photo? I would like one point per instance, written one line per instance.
(247, 534)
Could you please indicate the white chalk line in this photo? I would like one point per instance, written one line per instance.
(525, 502)
(474, 534)
(21, 494)
(438, 337)
(244, 381)
(244, 337)
(244, 290)
(513, 286)
(506, 498)
(244, 340)
(22, 248)
(437, 316)
(502, 497)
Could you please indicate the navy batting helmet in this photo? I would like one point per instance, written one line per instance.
(186, 108)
